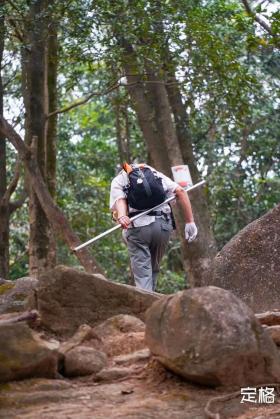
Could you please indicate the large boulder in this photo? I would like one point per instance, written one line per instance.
(209, 336)
(249, 264)
(67, 298)
(14, 294)
(23, 354)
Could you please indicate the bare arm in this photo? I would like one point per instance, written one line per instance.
(190, 227)
(122, 211)
(185, 204)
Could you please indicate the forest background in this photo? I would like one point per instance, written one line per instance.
(86, 85)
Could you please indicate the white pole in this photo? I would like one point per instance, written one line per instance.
(135, 217)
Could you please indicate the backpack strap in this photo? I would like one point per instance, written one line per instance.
(145, 182)
(129, 167)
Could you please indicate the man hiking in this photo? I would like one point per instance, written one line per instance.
(136, 188)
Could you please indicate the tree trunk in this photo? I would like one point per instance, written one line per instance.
(41, 251)
(182, 127)
(204, 249)
(51, 93)
(4, 208)
(168, 137)
(127, 132)
(51, 123)
(153, 108)
(144, 109)
(121, 131)
(55, 216)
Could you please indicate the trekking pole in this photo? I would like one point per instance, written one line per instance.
(171, 198)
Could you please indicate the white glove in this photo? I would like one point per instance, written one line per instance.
(190, 231)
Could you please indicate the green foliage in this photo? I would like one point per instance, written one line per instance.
(170, 282)
(19, 230)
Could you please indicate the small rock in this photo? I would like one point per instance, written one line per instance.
(83, 360)
(14, 294)
(122, 323)
(83, 334)
(114, 373)
(274, 332)
(134, 357)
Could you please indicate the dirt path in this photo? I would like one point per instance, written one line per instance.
(150, 393)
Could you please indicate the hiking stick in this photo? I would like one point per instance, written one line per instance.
(171, 198)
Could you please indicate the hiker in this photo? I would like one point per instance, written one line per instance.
(136, 188)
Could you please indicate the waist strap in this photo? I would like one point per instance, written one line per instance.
(152, 213)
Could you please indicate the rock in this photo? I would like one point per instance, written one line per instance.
(112, 337)
(274, 332)
(124, 343)
(3, 281)
(51, 343)
(29, 394)
(83, 360)
(14, 294)
(67, 298)
(115, 373)
(23, 354)
(249, 264)
(30, 317)
(121, 323)
(209, 336)
(132, 358)
(83, 334)
(121, 334)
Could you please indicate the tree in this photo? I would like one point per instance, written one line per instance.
(55, 216)
(37, 59)
(4, 208)
(7, 206)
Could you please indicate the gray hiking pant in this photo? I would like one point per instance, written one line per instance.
(146, 247)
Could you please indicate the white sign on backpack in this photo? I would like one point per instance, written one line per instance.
(182, 176)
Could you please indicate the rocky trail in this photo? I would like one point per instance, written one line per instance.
(148, 392)
(133, 385)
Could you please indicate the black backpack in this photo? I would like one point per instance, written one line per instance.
(145, 189)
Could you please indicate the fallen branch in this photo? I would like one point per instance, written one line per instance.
(269, 318)
(27, 316)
